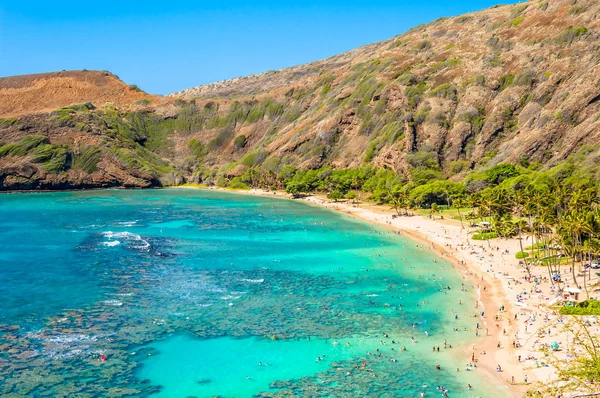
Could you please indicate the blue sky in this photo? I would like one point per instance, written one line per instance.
(164, 46)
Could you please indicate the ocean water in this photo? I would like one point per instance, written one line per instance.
(189, 293)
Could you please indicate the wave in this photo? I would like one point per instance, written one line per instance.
(253, 280)
(230, 297)
(127, 223)
(114, 303)
(111, 243)
(135, 240)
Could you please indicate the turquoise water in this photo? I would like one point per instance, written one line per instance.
(199, 293)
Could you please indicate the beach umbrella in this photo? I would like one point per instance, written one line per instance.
(554, 346)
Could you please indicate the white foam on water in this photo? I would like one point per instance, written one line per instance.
(230, 297)
(127, 223)
(64, 345)
(140, 244)
(253, 280)
(111, 243)
(114, 303)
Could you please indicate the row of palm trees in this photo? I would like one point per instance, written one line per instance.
(561, 224)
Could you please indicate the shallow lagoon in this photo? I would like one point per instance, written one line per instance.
(186, 291)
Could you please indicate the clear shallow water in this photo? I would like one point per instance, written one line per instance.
(186, 291)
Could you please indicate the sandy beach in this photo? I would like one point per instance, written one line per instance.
(517, 322)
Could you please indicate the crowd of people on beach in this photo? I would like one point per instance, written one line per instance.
(519, 324)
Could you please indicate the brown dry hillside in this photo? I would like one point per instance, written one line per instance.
(43, 92)
(512, 83)
(507, 83)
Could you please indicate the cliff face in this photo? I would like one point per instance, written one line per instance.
(513, 84)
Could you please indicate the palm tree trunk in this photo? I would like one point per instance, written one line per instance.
(460, 216)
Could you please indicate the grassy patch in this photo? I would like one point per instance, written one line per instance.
(569, 35)
(521, 255)
(87, 159)
(587, 307)
(52, 158)
(24, 146)
(5, 123)
(484, 236)
(517, 21)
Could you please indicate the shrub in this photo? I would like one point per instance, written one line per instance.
(484, 236)
(372, 150)
(423, 45)
(505, 81)
(458, 166)
(462, 19)
(577, 10)
(436, 192)
(237, 183)
(517, 21)
(52, 158)
(414, 94)
(4, 123)
(521, 255)
(500, 172)
(495, 43)
(445, 90)
(569, 35)
(196, 148)
(272, 108)
(451, 62)
(87, 160)
(587, 307)
(408, 79)
(220, 139)
(421, 177)
(63, 116)
(211, 107)
(254, 158)
(439, 118)
(423, 160)
(240, 141)
(23, 146)
(134, 87)
(526, 78)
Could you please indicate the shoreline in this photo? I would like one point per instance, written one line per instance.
(489, 293)
(483, 263)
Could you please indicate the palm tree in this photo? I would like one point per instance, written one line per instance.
(517, 201)
(458, 202)
(434, 209)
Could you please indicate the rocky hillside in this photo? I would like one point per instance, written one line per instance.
(515, 83)
(42, 148)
